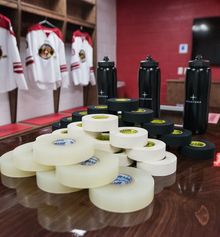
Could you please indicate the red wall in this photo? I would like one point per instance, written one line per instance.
(157, 27)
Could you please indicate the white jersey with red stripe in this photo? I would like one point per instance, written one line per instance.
(82, 70)
(45, 58)
(11, 69)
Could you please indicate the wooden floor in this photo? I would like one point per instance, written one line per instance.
(189, 207)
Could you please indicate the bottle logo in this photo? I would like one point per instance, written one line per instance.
(90, 162)
(193, 100)
(79, 125)
(128, 131)
(145, 96)
(64, 142)
(122, 179)
(101, 94)
(65, 131)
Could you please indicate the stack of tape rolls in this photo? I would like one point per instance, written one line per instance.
(97, 171)
(162, 167)
(56, 149)
(154, 158)
(100, 122)
(128, 137)
(132, 190)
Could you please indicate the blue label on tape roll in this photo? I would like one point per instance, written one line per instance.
(92, 161)
(64, 142)
(122, 179)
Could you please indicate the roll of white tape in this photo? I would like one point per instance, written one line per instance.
(94, 172)
(8, 168)
(154, 150)
(100, 122)
(24, 160)
(55, 149)
(121, 156)
(163, 167)
(61, 131)
(47, 181)
(102, 143)
(76, 128)
(128, 137)
(132, 190)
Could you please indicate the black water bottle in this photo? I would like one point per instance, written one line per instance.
(197, 91)
(106, 80)
(149, 85)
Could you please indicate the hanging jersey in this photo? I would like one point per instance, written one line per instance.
(11, 69)
(45, 58)
(82, 70)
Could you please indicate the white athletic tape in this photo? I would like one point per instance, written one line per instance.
(132, 190)
(96, 171)
(152, 151)
(61, 131)
(100, 122)
(8, 168)
(102, 143)
(55, 149)
(128, 137)
(163, 167)
(24, 160)
(47, 181)
(76, 128)
(121, 156)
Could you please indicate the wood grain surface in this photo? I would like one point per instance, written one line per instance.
(186, 204)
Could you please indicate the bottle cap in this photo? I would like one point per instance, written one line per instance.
(199, 62)
(149, 62)
(106, 63)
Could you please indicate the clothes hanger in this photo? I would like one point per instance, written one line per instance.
(45, 21)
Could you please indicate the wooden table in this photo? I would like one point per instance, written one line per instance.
(190, 206)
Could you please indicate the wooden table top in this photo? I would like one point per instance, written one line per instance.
(185, 204)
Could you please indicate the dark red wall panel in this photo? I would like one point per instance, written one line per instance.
(157, 27)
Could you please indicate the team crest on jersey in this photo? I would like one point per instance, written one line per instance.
(2, 54)
(46, 51)
(82, 55)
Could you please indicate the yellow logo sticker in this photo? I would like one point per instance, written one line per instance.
(122, 99)
(150, 144)
(139, 110)
(83, 113)
(100, 117)
(177, 132)
(101, 107)
(160, 121)
(79, 125)
(65, 131)
(128, 131)
(197, 144)
(103, 137)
